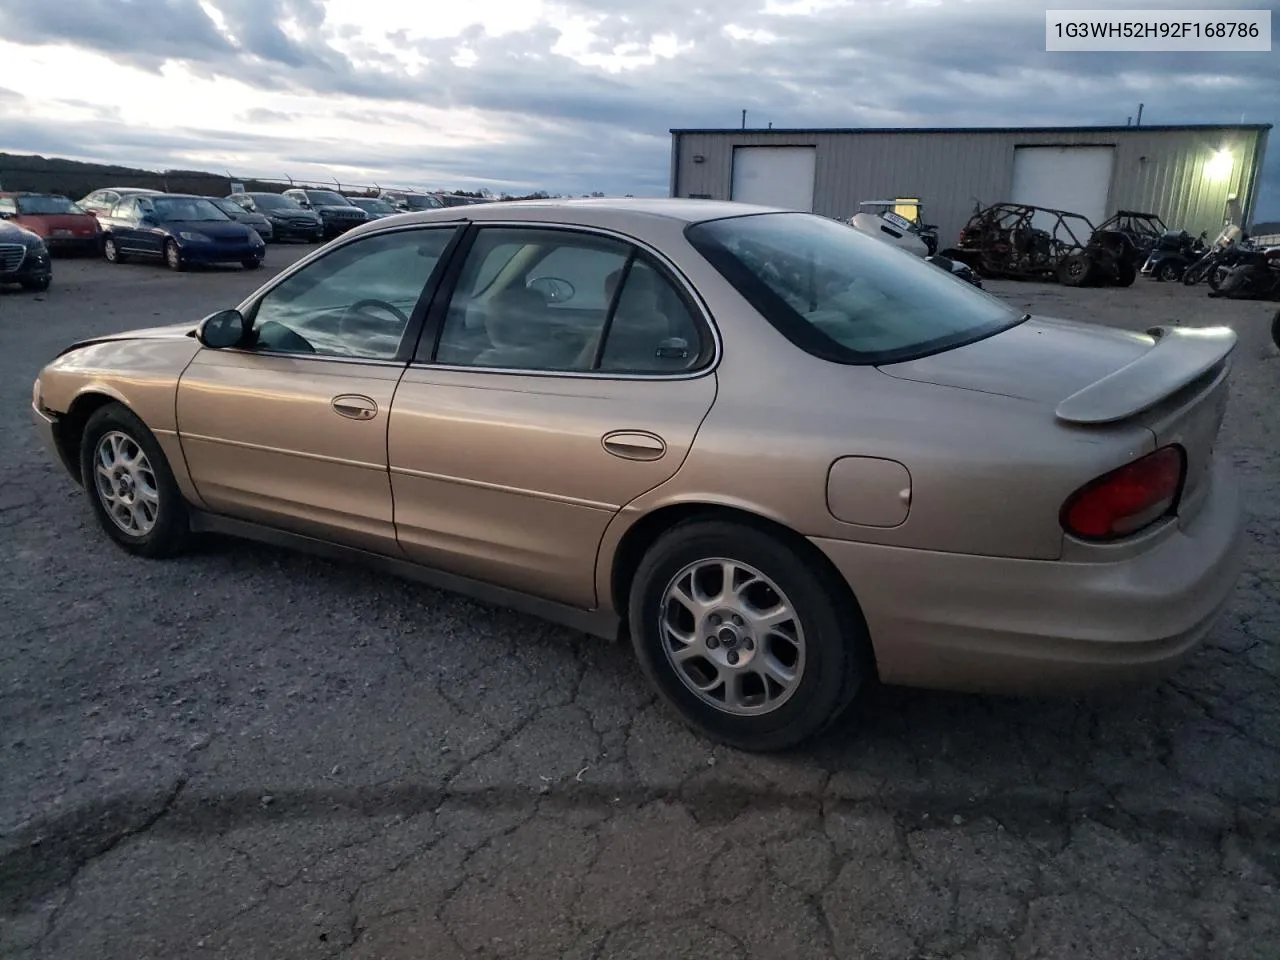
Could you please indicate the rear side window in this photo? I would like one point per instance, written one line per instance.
(843, 296)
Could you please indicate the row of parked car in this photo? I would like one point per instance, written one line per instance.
(126, 223)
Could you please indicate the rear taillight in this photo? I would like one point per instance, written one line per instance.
(1126, 500)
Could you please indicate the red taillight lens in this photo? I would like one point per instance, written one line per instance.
(1125, 501)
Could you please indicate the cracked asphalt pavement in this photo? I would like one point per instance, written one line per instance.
(249, 753)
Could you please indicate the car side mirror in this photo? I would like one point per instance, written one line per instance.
(221, 330)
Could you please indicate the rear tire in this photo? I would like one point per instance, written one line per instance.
(1169, 272)
(816, 659)
(111, 252)
(1077, 270)
(130, 484)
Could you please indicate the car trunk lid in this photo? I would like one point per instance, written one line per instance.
(1171, 380)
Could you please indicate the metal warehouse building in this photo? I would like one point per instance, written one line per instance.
(1192, 176)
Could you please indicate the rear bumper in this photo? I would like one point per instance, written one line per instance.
(76, 244)
(987, 624)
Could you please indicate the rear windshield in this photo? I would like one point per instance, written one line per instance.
(46, 205)
(845, 296)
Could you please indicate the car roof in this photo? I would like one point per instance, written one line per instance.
(595, 210)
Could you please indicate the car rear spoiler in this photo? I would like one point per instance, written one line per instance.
(1179, 356)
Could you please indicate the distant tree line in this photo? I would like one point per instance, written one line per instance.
(75, 178)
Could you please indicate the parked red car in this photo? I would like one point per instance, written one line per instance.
(58, 221)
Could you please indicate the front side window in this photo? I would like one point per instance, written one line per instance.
(844, 296)
(355, 301)
(126, 209)
(557, 300)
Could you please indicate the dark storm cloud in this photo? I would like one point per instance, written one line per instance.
(866, 63)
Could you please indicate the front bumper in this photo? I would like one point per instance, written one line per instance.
(34, 268)
(335, 226)
(46, 424)
(998, 625)
(296, 231)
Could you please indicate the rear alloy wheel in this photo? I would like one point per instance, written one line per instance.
(173, 256)
(130, 484)
(751, 642)
(112, 252)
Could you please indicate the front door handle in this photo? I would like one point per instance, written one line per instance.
(634, 444)
(354, 407)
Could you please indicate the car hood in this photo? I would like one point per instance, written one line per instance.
(216, 229)
(12, 233)
(174, 331)
(1043, 360)
(337, 208)
(42, 223)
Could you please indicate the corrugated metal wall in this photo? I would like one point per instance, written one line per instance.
(1160, 170)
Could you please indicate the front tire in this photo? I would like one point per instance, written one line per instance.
(253, 263)
(37, 286)
(1077, 270)
(1169, 272)
(130, 484)
(751, 642)
(173, 256)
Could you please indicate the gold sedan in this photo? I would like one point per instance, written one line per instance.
(779, 455)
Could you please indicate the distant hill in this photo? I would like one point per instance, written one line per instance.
(75, 178)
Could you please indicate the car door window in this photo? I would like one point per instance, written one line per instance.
(546, 299)
(501, 312)
(126, 210)
(355, 301)
(7, 205)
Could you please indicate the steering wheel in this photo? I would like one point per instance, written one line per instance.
(357, 320)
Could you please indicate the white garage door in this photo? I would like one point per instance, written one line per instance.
(1076, 179)
(774, 176)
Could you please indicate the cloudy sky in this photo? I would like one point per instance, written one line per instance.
(571, 95)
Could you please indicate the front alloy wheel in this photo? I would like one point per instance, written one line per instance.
(131, 485)
(126, 484)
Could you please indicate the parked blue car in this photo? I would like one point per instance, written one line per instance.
(180, 229)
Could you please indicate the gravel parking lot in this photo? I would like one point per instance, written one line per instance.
(248, 753)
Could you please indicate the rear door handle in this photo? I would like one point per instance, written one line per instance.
(354, 407)
(634, 444)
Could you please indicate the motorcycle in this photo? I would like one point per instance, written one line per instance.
(1172, 254)
(1255, 276)
(1212, 265)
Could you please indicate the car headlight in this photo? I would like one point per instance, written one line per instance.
(192, 237)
